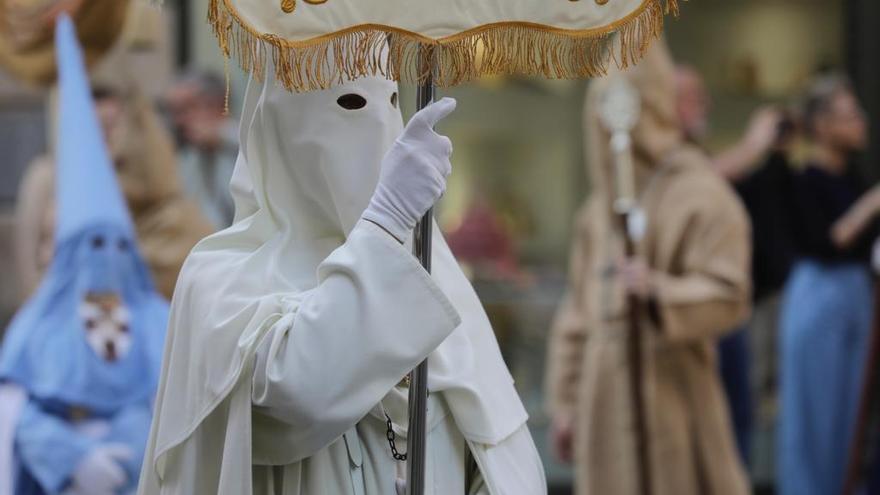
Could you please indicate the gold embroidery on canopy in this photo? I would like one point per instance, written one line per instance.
(288, 6)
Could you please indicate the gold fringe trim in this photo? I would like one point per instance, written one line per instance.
(494, 49)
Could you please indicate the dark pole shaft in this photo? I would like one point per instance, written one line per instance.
(636, 376)
(416, 441)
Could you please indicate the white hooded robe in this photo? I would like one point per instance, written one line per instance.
(291, 330)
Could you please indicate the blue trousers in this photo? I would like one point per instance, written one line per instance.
(825, 329)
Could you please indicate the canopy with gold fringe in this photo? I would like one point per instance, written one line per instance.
(314, 44)
(469, 38)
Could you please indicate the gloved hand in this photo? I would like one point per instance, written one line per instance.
(100, 472)
(414, 173)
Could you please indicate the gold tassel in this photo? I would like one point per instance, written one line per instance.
(502, 48)
(228, 86)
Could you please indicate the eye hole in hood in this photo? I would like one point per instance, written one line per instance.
(352, 101)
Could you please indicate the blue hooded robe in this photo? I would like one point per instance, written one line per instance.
(87, 346)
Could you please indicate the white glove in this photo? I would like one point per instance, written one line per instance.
(414, 172)
(100, 473)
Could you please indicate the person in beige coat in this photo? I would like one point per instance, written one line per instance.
(692, 276)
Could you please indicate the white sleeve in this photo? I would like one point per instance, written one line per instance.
(375, 314)
(513, 467)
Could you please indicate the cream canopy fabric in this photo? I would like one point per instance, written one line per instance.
(318, 43)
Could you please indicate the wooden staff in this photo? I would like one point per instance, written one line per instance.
(636, 372)
(619, 113)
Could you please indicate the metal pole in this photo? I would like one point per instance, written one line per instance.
(418, 390)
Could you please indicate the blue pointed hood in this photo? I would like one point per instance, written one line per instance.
(88, 191)
(92, 334)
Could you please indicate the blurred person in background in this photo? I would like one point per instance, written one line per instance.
(80, 362)
(758, 167)
(827, 309)
(27, 55)
(207, 140)
(734, 163)
(167, 224)
(692, 276)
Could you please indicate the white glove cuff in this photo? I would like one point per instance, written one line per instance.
(389, 218)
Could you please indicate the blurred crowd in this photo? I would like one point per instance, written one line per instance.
(753, 276)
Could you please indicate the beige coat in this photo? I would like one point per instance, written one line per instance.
(697, 244)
